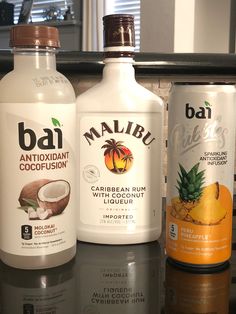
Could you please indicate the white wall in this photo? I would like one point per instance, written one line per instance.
(212, 25)
(157, 25)
(187, 25)
(184, 22)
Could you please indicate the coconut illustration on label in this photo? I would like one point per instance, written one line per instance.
(198, 204)
(44, 198)
(118, 158)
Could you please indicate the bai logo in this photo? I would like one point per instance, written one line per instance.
(202, 112)
(51, 139)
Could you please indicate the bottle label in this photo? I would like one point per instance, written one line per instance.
(120, 169)
(37, 178)
(200, 176)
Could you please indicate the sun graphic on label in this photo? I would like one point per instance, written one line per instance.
(118, 158)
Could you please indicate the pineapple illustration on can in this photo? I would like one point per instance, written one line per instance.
(201, 140)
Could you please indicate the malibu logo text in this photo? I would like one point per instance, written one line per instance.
(131, 128)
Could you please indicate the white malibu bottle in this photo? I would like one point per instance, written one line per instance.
(119, 141)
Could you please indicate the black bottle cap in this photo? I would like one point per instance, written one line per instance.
(119, 30)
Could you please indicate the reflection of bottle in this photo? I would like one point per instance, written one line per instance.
(39, 291)
(124, 279)
(188, 292)
(119, 148)
(37, 124)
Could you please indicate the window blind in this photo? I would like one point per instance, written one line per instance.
(39, 6)
(130, 7)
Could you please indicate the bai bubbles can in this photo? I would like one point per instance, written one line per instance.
(201, 140)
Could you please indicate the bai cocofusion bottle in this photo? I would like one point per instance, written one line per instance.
(37, 121)
(119, 148)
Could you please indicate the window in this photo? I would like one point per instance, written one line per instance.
(39, 8)
(127, 7)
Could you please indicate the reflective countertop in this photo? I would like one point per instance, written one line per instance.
(132, 279)
(213, 64)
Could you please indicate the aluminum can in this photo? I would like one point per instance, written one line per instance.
(201, 141)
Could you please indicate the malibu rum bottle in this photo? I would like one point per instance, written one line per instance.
(119, 148)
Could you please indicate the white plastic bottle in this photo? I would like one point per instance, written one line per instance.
(37, 138)
(119, 148)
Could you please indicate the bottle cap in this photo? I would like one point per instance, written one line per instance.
(34, 35)
(119, 30)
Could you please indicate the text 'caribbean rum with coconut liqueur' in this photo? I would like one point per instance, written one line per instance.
(37, 127)
(119, 148)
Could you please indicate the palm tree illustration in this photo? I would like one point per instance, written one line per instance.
(126, 158)
(112, 147)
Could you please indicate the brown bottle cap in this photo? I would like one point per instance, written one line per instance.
(34, 35)
(119, 30)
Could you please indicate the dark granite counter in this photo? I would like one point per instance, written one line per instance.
(132, 279)
(145, 63)
(161, 64)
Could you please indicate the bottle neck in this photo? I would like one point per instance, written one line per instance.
(119, 69)
(34, 58)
